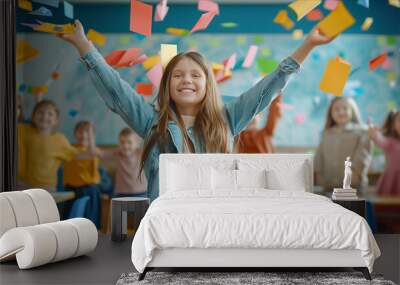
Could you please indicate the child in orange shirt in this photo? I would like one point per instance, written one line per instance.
(255, 140)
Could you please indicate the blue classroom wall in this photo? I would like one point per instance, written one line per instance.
(251, 19)
(374, 91)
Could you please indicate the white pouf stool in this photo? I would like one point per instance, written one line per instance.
(31, 230)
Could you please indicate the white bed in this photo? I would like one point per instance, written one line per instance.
(240, 210)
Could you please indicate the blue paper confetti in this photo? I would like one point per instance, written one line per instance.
(72, 113)
(364, 3)
(68, 10)
(22, 87)
(52, 3)
(42, 11)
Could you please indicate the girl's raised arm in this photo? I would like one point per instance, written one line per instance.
(118, 95)
(242, 110)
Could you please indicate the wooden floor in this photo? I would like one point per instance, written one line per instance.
(106, 264)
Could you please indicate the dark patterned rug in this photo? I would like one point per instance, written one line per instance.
(230, 278)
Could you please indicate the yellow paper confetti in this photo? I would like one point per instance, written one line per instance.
(302, 7)
(335, 76)
(36, 90)
(96, 37)
(178, 32)
(217, 66)
(297, 34)
(25, 51)
(283, 19)
(367, 24)
(54, 29)
(25, 5)
(151, 61)
(337, 21)
(395, 3)
(167, 52)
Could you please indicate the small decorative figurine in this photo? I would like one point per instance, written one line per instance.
(345, 193)
(347, 174)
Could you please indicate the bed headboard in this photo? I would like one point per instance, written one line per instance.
(232, 161)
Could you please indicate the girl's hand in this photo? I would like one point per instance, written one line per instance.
(316, 37)
(373, 131)
(78, 39)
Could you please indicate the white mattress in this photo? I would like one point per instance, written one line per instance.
(252, 218)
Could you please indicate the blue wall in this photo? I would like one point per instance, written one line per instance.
(114, 18)
(374, 91)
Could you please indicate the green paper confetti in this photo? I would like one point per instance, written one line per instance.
(258, 40)
(381, 40)
(240, 40)
(391, 76)
(229, 25)
(192, 43)
(391, 41)
(265, 52)
(214, 42)
(391, 105)
(124, 40)
(266, 65)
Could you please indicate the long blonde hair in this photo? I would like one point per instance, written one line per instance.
(209, 124)
(355, 112)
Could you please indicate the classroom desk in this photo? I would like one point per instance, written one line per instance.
(64, 196)
(382, 200)
(387, 212)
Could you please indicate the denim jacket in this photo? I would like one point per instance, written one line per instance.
(140, 115)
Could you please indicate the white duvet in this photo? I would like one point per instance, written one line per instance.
(253, 218)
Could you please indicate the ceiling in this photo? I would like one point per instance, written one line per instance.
(189, 1)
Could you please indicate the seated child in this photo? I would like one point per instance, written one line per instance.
(389, 141)
(255, 140)
(344, 135)
(83, 176)
(127, 156)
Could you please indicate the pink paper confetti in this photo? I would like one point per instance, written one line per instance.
(251, 55)
(299, 118)
(155, 74)
(208, 6)
(285, 106)
(161, 11)
(129, 56)
(330, 4)
(230, 62)
(387, 64)
(138, 60)
(203, 22)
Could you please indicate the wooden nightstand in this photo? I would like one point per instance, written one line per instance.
(356, 205)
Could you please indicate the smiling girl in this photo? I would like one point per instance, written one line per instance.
(191, 116)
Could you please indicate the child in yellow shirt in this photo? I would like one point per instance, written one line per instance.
(41, 150)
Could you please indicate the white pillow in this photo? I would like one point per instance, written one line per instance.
(251, 178)
(224, 179)
(281, 174)
(281, 180)
(188, 177)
